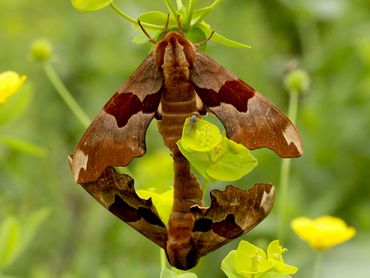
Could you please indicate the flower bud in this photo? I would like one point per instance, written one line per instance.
(297, 81)
(41, 50)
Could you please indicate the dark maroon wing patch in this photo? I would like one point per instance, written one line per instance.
(248, 117)
(117, 134)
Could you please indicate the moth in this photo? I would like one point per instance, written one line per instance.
(175, 81)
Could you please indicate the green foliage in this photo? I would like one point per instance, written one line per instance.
(16, 235)
(212, 153)
(192, 22)
(90, 5)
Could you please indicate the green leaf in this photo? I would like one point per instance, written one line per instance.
(157, 18)
(9, 241)
(32, 224)
(142, 38)
(221, 39)
(16, 237)
(22, 146)
(168, 273)
(90, 5)
(200, 14)
(228, 265)
(16, 105)
(180, 5)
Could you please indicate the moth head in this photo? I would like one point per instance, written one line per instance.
(178, 43)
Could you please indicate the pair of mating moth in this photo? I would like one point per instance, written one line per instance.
(174, 81)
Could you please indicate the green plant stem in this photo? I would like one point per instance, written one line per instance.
(171, 8)
(190, 4)
(133, 20)
(204, 187)
(163, 259)
(65, 94)
(285, 170)
(317, 264)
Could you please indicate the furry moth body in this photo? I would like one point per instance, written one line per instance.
(173, 82)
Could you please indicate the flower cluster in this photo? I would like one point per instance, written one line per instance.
(249, 261)
(212, 153)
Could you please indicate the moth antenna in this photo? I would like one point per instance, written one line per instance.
(205, 41)
(146, 33)
(179, 26)
(165, 30)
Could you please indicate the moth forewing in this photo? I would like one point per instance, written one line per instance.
(117, 134)
(248, 117)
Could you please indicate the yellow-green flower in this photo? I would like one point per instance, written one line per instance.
(323, 232)
(10, 83)
(162, 201)
(249, 261)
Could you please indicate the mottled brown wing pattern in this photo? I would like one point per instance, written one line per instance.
(116, 193)
(117, 134)
(232, 213)
(248, 117)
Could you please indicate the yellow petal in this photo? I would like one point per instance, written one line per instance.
(323, 232)
(10, 83)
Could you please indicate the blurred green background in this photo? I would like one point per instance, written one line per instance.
(93, 54)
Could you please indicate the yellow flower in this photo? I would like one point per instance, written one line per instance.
(323, 232)
(10, 83)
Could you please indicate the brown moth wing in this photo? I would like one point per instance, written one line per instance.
(117, 134)
(116, 193)
(232, 213)
(248, 117)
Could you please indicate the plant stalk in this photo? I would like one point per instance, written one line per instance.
(133, 20)
(285, 170)
(65, 94)
(171, 8)
(317, 264)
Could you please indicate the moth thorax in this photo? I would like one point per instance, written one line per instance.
(175, 65)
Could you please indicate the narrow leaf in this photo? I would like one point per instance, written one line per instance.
(221, 39)
(32, 224)
(200, 14)
(22, 146)
(157, 18)
(9, 241)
